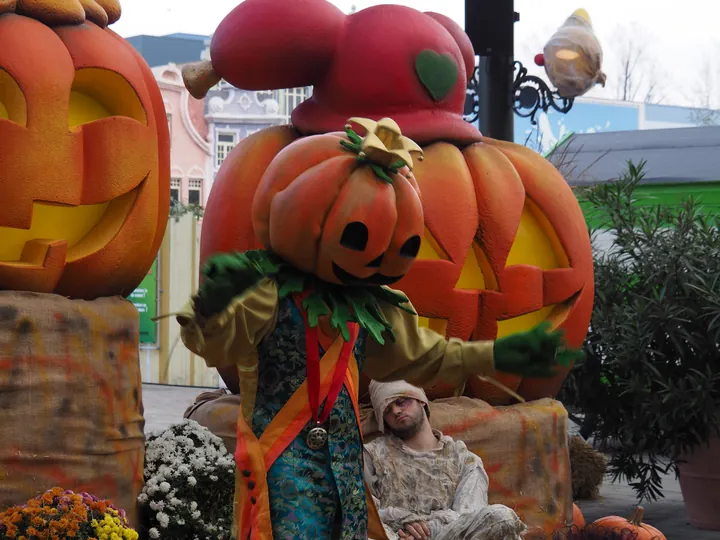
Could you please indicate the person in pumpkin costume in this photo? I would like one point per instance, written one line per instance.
(341, 219)
(301, 319)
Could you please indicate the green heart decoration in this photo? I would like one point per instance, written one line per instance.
(438, 73)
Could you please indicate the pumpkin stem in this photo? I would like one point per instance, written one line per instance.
(355, 145)
(637, 516)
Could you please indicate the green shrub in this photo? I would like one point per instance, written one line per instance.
(651, 379)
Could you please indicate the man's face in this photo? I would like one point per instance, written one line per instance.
(404, 417)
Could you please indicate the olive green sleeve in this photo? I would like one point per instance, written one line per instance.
(423, 357)
(231, 337)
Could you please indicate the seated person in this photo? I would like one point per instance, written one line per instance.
(425, 484)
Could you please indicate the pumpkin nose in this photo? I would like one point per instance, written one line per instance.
(355, 236)
(377, 262)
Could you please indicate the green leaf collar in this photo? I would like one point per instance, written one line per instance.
(344, 304)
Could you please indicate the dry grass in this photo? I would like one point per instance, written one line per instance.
(587, 467)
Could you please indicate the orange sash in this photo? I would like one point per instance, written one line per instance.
(254, 456)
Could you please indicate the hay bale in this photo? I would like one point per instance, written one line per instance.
(71, 399)
(587, 469)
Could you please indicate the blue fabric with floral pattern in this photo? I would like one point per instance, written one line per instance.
(309, 487)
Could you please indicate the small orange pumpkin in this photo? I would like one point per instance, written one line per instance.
(578, 518)
(329, 214)
(634, 524)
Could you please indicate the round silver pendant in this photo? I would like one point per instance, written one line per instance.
(317, 438)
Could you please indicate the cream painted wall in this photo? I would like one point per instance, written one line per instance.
(178, 273)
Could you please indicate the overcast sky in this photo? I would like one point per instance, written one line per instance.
(680, 40)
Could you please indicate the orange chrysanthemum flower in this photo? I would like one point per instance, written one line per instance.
(58, 514)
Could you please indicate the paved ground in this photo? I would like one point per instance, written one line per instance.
(165, 405)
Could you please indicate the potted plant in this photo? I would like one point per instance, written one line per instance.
(650, 384)
(60, 513)
(189, 485)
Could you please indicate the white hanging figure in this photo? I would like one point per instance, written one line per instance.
(573, 57)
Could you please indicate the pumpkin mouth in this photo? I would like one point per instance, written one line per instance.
(376, 279)
(62, 233)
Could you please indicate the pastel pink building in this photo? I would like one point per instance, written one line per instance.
(191, 153)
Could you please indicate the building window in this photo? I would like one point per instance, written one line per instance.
(225, 143)
(293, 97)
(175, 184)
(195, 191)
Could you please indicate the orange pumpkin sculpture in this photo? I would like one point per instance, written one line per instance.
(634, 524)
(503, 196)
(578, 518)
(504, 245)
(84, 159)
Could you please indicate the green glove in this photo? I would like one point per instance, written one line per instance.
(225, 276)
(535, 353)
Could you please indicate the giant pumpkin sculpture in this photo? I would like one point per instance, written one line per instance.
(84, 159)
(504, 246)
(84, 177)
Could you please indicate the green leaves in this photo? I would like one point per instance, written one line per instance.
(228, 275)
(354, 145)
(650, 383)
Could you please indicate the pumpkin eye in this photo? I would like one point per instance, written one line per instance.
(99, 93)
(377, 262)
(13, 106)
(411, 247)
(355, 236)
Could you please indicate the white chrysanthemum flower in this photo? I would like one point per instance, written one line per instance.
(183, 465)
(163, 519)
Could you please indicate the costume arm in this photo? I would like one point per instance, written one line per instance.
(472, 491)
(232, 335)
(423, 357)
(471, 494)
(392, 517)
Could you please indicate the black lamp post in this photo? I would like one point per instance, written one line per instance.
(490, 25)
(495, 93)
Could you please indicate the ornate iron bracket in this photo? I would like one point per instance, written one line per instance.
(472, 98)
(530, 95)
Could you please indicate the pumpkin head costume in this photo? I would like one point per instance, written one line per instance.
(340, 218)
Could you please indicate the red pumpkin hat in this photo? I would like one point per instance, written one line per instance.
(383, 61)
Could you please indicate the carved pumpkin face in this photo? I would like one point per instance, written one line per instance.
(84, 159)
(323, 212)
(504, 247)
(507, 247)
